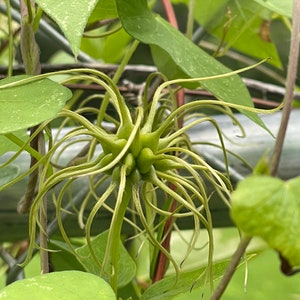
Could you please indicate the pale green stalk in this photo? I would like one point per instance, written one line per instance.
(113, 241)
(190, 21)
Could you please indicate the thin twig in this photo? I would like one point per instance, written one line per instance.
(290, 87)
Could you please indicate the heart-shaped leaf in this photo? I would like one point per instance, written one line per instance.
(71, 16)
(64, 285)
(26, 105)
(270, 208)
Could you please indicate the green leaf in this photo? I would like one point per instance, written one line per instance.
(62, 258)
(284, 8)
(168, 288)
(8, 173)
(26, 105)
(179, 57)
(270, 208)
(115, 46)
(126, 266)
(71, 16)
(110, 49)
(263, 165)
(104, 9)
(65, 285)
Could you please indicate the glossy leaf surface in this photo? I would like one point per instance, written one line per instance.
(71, 16)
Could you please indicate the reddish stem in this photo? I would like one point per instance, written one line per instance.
(180, 101)
(162, 260)
(170, 13)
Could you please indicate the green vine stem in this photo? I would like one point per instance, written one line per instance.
(123, 199)
(288, 99)
(190, 21)
(290, 87)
